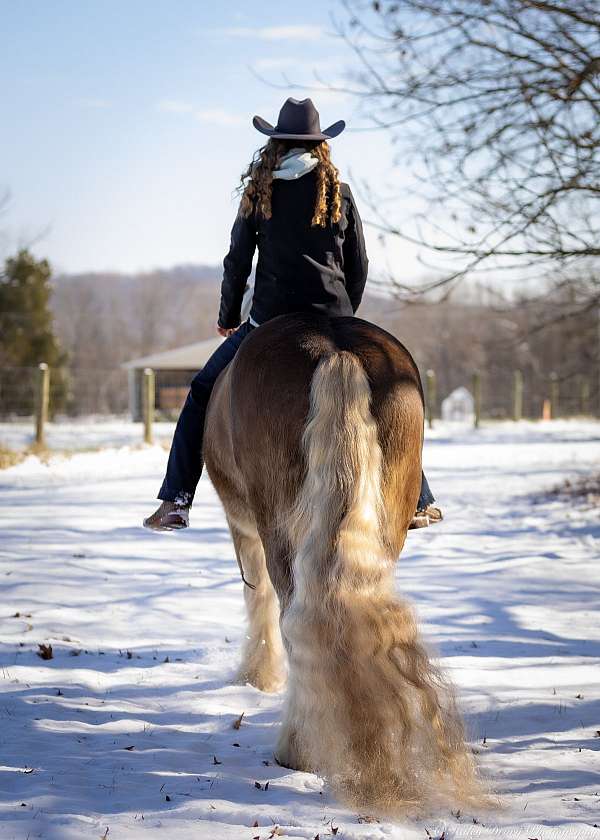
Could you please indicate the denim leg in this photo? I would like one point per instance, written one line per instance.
(185, 458)
(426, 498)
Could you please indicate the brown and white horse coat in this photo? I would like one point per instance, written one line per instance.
(313, 442)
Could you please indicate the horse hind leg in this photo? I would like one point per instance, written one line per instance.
(263, 661)
(288, 751)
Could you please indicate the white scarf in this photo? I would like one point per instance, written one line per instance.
(296, 163)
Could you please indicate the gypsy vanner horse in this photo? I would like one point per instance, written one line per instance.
(313, 442)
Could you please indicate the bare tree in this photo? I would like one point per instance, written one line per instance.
(4, 202)
(496, 104)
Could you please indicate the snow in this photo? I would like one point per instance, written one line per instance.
(506, 587)
(88, 432)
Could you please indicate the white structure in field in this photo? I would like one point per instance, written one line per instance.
(459, 406)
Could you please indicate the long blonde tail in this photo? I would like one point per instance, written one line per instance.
(365, 707)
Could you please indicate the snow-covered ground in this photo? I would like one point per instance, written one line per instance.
(128, 731)
(86, 432)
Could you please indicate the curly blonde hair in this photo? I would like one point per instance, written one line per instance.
(257, 181)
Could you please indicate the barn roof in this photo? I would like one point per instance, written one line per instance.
(189, 357)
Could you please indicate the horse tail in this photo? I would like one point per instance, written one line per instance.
(365, 708)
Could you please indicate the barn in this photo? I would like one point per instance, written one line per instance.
(173, 371)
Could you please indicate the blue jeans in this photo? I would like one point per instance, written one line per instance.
(185, 458)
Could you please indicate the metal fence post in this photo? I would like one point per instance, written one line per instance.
(41, 403)
(148, 403)
(553, 396)
(477, 398)
(430, 397)
(517, 396)
(584, 395)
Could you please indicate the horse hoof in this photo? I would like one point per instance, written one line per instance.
(270, 683)
(290, 762)
(282, 762)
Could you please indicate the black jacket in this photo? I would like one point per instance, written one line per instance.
(300, 268)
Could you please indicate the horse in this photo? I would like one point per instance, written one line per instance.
(313, 441)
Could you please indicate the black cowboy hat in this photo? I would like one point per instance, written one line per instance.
(298, 120)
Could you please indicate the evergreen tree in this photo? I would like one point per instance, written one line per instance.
(27, 334)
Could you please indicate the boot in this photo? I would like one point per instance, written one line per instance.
(170, 516)
(428, 516)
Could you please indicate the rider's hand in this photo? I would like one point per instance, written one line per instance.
(224, 331)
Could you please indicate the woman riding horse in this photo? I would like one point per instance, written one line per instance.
(312, 439)
(311, 258)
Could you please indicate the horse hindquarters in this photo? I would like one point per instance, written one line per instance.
(365, 707)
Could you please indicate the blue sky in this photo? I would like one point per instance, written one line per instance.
(126, 123)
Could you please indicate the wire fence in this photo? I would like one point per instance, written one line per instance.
(73, 391)
(498, 394)
(541, 394)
